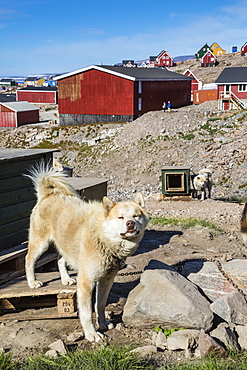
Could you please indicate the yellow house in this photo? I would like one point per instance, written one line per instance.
(216, 49)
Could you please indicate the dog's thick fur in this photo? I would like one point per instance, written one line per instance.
(203, 182)
(92, 238)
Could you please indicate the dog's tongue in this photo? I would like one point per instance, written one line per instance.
(128, 231)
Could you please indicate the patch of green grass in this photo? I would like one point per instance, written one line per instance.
(6, 362)
(107, 358)
(110, 358)
(234, 361)
(186, 136)
(211, 129)
(184, 223)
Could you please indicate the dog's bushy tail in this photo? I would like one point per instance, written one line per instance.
(243, 224)
(47, 180)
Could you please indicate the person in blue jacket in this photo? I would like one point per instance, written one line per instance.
(169, 106)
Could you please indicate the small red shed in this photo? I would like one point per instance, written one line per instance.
(34, 94)
(116, 93)
(244, 49)
(14, 114)
(208, 59)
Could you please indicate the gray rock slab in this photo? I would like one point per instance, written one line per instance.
(225, 335)
(231, 308)
(165, 298)
(242, 335)
(183, 339)
(208, 277)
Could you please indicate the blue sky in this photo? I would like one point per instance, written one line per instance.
(57, 36)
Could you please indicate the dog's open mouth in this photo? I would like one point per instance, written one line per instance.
(130, 232)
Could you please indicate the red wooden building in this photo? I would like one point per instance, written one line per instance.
(15, 114)
(34, 94)
(195, 83)
(232, 88)
(244, 49)
(164, 59)
(208, 59)
(116, 93)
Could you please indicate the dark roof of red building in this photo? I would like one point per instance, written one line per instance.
(38, 88)
(232, 75)
(135, 74)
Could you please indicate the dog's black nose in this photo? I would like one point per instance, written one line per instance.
(130, 224)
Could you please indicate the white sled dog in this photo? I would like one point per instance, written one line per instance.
(92, 238)
(203, 182)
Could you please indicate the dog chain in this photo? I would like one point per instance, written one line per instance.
(179, 266)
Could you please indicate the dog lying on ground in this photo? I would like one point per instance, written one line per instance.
(92, 238)
(202, 182)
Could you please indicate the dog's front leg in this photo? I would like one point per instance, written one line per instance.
(203, 195)
(102, 291)
(85, 288)
(66, 279)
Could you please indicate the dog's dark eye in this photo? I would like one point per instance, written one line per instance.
(120, 218)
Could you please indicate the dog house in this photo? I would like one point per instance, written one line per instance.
(17, 196)
(176, 180)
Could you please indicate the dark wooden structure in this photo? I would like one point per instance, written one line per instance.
(175, 180)
(116, 93)
(17, 196)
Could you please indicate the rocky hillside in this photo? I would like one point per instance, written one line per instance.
(131, 155)
(209, 74)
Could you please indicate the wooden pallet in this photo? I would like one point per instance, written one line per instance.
(12, 262)
(16, 296)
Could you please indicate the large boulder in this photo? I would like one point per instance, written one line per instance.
(165, 298)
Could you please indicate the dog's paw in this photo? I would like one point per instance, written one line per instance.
(95, 337)
(35, 284)
(69, 281)
(107, 325)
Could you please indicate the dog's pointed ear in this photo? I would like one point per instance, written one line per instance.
(108, 204)
(138, 199)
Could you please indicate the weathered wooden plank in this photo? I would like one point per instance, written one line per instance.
(17, 196)
(16, 211)
(13, 228)
(52, 285)
(9, 154)
(12, 183)
(9, 169)
(11, 253)
(13, 239)
(89, 188)
(39, 315)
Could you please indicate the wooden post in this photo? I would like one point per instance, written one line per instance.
(66, 303)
